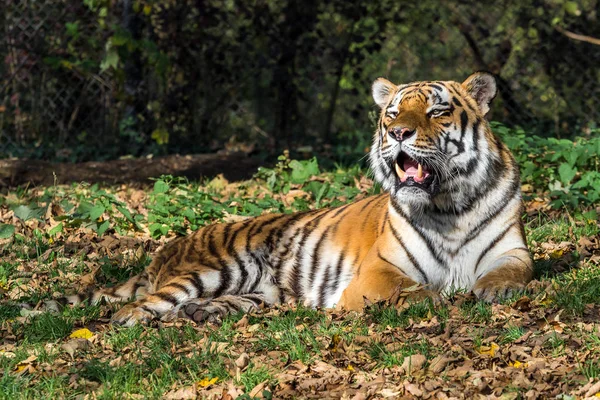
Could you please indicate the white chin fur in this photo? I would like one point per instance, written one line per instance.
(413, 196)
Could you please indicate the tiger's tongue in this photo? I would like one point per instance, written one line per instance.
(411, 168)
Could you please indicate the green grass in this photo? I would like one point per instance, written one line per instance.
(477, 311)
(291, 334)
(395, 354)
(511, 333)
(152, 362)
(46, 327)
(385, 316)
(254, 375)
(590, 368)
(577, 288)
(556, 343)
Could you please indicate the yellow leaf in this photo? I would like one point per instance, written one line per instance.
(20, 368)
(546, 302)
(489, 350)
(207, 382)
(83, 333)
(147, 9)
(557, 254)
(350, 368)
(517, 364)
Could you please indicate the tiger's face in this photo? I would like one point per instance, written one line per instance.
(429, 141)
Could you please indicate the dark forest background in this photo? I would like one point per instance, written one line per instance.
(100, 79)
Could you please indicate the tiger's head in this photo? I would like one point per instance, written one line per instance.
(433, 144)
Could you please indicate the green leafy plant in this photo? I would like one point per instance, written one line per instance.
(569, 170)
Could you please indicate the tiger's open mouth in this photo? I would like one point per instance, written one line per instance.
(411, 173)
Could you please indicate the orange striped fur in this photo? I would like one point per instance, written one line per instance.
(449, 218)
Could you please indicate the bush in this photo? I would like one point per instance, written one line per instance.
(567, 170)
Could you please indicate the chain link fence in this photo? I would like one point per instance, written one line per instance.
(132, 77)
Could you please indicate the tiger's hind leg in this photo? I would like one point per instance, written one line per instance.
(212, 310)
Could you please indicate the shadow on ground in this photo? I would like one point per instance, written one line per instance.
(234, 166)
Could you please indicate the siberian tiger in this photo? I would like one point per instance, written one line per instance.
(450, 218)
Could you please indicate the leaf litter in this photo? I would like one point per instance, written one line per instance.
(456, 348)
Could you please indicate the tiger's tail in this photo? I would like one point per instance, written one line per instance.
(134, 288)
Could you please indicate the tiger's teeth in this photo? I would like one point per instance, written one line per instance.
(419, 171)
(399, 171)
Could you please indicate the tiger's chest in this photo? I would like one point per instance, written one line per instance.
(451, 253)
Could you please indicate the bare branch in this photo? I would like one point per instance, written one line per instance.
(576, 36)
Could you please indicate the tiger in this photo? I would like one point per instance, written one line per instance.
(448, 218)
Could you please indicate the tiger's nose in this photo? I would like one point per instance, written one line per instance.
(400, 133)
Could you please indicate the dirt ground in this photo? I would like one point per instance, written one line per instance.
(234, 167)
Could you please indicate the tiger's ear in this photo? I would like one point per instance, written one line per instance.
(382, 90)
(482, 87)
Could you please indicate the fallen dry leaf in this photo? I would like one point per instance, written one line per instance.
(184, 393)
(413, 363)
(76, 344)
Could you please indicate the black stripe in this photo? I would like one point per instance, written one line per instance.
(491, 245)
(296, 273)
(366, 218)
(473, 233)
(476, 134)
(381, 257)
(316, 256)
(489, 184)
(412, 259)
(196, 281)
(385, 218)
(430, 245)
(436, 87)
(166, 297)
(280, 231)
(255, 298)
(212, 248)
(225, 271)
(225, 277)
(289, 248)
(231, 305)
(148, 309)
(339, 266)
(322, 289)
(256, 229)
(464, 123)
(339, 210)
(180, 287)
(225, 234)
(257, 280)
(276, 232)
(232, 252)
(136, 286)
(229, 241)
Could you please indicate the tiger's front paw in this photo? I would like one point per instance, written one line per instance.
(496, 291)
(130, 315)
